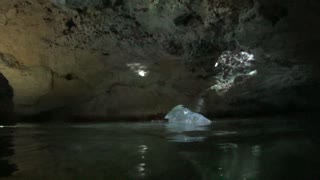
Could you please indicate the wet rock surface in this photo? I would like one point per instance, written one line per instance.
(183, 116)
(140, 58)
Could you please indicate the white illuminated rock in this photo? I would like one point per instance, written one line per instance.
(182, 115)
(183, 120)
(231, 65)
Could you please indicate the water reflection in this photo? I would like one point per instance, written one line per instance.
(185, 138)
(6, 150)
(180, 128)
(157, 151)
(179, 132)
(142, 166)
(227, 146)
(237, 162)
(256, 150)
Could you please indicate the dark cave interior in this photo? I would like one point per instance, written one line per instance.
(251, 67)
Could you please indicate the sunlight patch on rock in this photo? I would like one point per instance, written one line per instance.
(230, 66)
(139, 69)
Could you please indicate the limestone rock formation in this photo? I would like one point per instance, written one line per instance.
(115, 58)
(29, 83)
(183, 116)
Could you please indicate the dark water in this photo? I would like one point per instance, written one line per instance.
(229, 150)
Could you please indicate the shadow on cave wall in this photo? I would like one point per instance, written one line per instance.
(6, 101)
(6, 117)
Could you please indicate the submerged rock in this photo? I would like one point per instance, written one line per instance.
(182, 115)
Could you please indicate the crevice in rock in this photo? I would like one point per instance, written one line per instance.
(10, 61)
(70, 76)
(115, 85)
(186, 19)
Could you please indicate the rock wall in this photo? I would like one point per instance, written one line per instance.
(115, 58)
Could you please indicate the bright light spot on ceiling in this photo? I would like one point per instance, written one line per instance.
(249, 57)
(230, 66)
(139, 69)
(142, 73)
(253, 73)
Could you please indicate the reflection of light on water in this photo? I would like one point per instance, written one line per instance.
(143, 148)
(141, 169)
(256, 150)
(220, 169)
(184, 138)
(180, 128)
(228, 146)
(225, 133)
(142, 165)
(237, 161)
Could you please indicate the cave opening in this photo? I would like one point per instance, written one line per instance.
(6, 103)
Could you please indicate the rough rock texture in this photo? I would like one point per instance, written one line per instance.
(115, 58)
(6, 102)
(183, 116)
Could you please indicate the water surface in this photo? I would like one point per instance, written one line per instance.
(227, 150)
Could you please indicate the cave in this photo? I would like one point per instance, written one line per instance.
(155, 89)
